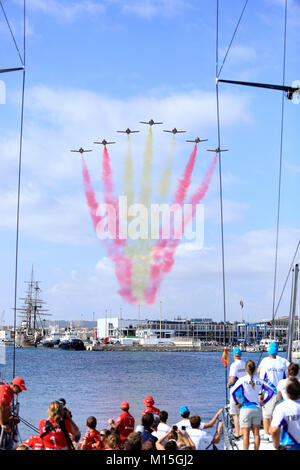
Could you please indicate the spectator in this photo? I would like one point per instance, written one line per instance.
(292, 371)
(7, 391)
(162, 427)
(248, 392)
(149, 445)
(104, 433)
(149, 402)
(57, 429)
(112, 442)
(236, 371)
(125, 422)
(147, 422)
(285, 425)
(185, 413)
(199, 437)
(272, 369)
(35, 442)
(91, 439)
(133, 442)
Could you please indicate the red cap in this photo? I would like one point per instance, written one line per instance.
(148, 401)
(125, 406)
(19, 382)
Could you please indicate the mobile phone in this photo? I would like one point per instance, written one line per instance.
(175, 428)
(183, 428)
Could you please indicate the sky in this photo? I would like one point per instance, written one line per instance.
(93, 67)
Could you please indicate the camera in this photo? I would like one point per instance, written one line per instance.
(67, 413)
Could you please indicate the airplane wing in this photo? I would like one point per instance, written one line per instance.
(74, 150)
(134, 132)
(180, 132)
(88, 150)
(122, 132)
(168, 131)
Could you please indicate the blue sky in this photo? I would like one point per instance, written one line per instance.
(96, 66)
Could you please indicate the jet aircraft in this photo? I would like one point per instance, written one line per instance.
(217, 150)
(81, 150)
(197, 140)
(151, 122)
(127, 131)
(104, 142)
(175, 131)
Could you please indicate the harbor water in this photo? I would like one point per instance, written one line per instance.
(95, 383)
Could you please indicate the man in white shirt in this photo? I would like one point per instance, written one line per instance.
(200, 438)
(272, 369)
(185, 422)
(162, 427)
(285, 426)
(236, 371)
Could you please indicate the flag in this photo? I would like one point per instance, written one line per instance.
(225, 357)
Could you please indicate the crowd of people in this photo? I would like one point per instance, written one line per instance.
(269, 395)
(59, 432)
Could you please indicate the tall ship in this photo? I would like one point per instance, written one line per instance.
(32, 329)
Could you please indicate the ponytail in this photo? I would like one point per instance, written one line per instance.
(250, 369)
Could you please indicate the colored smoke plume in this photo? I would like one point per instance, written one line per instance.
(164, 256)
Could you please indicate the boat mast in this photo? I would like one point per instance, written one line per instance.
(292, 313)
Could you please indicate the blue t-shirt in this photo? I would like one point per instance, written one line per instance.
(148, 435)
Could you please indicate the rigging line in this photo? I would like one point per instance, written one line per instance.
(19, 195)
(287, 278)
(221, 191)
(280, 168)
(232, 39)
(12, 34)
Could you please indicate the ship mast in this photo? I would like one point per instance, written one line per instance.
(32, 311)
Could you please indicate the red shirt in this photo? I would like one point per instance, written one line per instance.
(35, 442)
(93, 441)
(125, 423)
(151, 409)
(6, 395)
(54, 440)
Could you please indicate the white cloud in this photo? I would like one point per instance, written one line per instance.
(239, 53)
(66, 10)
(150, 8)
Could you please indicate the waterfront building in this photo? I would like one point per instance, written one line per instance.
(196, 329)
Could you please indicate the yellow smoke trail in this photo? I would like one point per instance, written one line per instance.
(164, 186)
(128, 174)
(141, 257)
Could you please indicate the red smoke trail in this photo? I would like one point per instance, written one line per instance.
(90, 194)
(164, 260)
(109, 197)
(180, 194)
(123, 265)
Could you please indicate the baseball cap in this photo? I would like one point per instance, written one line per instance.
(237, 352)
(19, 382)
(184, 409)
(273, 349)
(124, 405)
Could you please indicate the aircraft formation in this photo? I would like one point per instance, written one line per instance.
(150, 123)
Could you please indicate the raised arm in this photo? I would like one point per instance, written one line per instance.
(211, 423)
